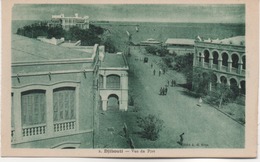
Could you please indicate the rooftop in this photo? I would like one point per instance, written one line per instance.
(28, 50)
(150, 41)
(238, 40)
(180, 41)
(113, 61)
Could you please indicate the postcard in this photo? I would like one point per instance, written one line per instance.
(128, 79)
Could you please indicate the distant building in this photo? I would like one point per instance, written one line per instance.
(180, 45)
(68, 22)
(150, 42)
(226, 58)
(56, 92)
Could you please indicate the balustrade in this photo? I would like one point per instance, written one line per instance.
(206, 65)
(214, 66)
(65, 125)
(224, 68)
(234, 70)
(34, 130)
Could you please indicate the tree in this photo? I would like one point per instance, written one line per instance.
(151, 126)
(56, 32)
(168, 60)
(222, 95)
(151, 49)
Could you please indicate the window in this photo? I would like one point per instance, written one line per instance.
(113, 81)
(64, 104)
(100, 81)
(33, 107)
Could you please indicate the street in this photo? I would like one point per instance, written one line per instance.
(202, 126)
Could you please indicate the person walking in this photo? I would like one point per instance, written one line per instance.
(154, 72)
(168, 82)
(161, 91)
(165, 89)
(151, 65)
(162, 88)
(172, 83)
(160, 72)
(200, 102)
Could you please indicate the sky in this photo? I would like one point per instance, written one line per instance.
(135, 12)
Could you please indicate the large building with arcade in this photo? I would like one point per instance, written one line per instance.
(226, 58)
(57, 92)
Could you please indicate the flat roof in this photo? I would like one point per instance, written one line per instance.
(28, 50)
(238, 40)
(179, 41)
(113, 61)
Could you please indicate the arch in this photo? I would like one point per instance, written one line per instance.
(244, 61)
(215, 55)
(223, 79)
(206, 56)
(214, 80)
(225, 59)
(112, 102)
(243, 86)
(235, 60)
(113, 81)
(234, 87)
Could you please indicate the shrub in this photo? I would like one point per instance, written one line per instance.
(151, 49)
(168, 60)
(151, 126)
(157, 50)
(131, 101)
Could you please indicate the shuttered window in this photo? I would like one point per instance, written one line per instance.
(64, 104)
(113, 81)
(33, 107)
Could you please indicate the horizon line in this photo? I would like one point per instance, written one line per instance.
(139, 21)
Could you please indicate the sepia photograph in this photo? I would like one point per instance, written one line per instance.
(130, 79)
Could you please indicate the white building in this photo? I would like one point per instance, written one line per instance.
(68, 22)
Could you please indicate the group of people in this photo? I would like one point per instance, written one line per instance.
(163, 90)
(159, 72)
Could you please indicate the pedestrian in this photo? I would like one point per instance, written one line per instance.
(200, 102)
(160, 72)
(181, 139)
(165, 89)
(172, 83)
(154, 72)
(151, 65)
(161, 90)
(168, 82)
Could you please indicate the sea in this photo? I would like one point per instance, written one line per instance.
(160, 31)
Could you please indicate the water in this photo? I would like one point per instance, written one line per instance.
(163, 31)
(160, 31)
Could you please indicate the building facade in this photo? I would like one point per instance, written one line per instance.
(68, 22)
(113, 82)
(226, 58)
(55, 94)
